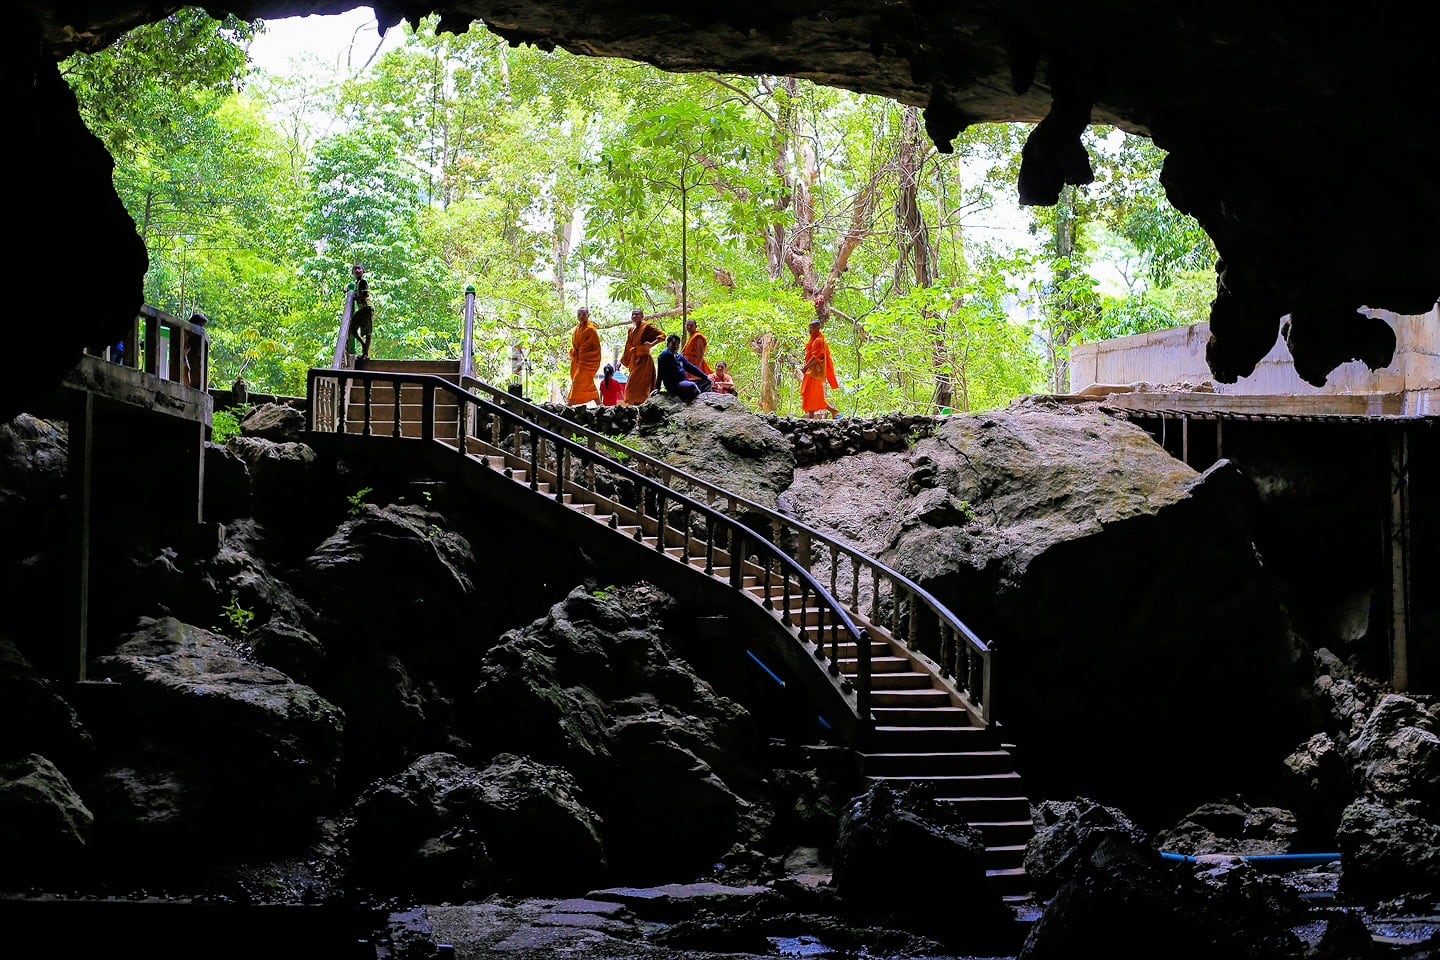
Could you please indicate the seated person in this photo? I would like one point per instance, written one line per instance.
(723, 383)
(671, 367)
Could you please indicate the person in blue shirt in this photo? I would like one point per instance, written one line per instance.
(671, 367)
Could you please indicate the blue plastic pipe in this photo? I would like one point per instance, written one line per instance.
(761, 664)
(1278, 859)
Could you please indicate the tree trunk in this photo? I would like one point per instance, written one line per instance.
(769, 398)
(1061, 330)
(916, 249)
(560, 248)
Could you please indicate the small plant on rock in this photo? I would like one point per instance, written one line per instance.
(357, 500)
(238, 617)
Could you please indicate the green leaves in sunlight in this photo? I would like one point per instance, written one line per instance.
(548, 180)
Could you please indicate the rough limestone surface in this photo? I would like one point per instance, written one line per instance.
(1107, 575)
(717, 439)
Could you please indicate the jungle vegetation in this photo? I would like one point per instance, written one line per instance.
(548, 180)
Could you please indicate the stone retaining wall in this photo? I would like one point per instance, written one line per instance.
(815, 441)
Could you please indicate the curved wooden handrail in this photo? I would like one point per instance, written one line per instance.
(475, 413)
(964, 658)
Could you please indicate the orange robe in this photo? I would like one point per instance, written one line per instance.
(812, 387)
(585, 358)
(695, 352)
(639, 362)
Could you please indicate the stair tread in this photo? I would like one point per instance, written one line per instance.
(932, 754)
(946, 777)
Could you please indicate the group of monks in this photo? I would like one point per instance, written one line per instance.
(637, 358)
(817, 375)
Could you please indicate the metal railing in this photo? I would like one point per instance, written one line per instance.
(582, 467)
(897, 606)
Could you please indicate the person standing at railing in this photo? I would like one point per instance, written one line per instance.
(585, 355)
(194, 373)
(642, 338)
(362, 315)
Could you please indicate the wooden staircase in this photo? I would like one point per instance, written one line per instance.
(923, 730)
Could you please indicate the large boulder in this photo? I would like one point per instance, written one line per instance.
(1068, 833)
(1397, 755)
(423, 576)
(1119, 898)
(1387, 850)
(35, 718)
(244, 738)
(596, 687)
(441, 829)
(901, 855)
(34, 455)
(44, 825)
(1231, 827)
(718, 439)
(1107, 575)
(276, 422)
(1318, 787)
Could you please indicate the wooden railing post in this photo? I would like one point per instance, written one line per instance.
(467, 345)
(427, 410)
(862, 675)
(368, 387)
(560, 453)
(399, 388)
(534, 460)
(737, 559)
(152, 345)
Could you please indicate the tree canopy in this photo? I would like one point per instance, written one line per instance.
(547, 181)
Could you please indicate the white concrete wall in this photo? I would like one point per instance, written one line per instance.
(1173, 357)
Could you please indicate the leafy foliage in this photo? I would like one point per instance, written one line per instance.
(547, 180)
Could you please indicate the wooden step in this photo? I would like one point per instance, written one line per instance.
(850, 665)
(960, 787)
(900, 681)
(718, 569)
(436, 367)
(848, 649)
(920, 716)
(411, 394)
(1004, 857)
(910, 698)
(937, 738)
(443, 431)
(1012, 881)
(1005, 832)
(948, 762)
(977, 809)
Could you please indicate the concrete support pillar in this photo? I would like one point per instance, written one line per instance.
(70, 660)
(1399, 541)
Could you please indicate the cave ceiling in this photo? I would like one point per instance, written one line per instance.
(1306, 144)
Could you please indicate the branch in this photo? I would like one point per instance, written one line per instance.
(746, 97)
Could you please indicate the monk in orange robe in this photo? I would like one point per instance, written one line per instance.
(585, 359)
(696, 343)
(818, 373)
(637, 359)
